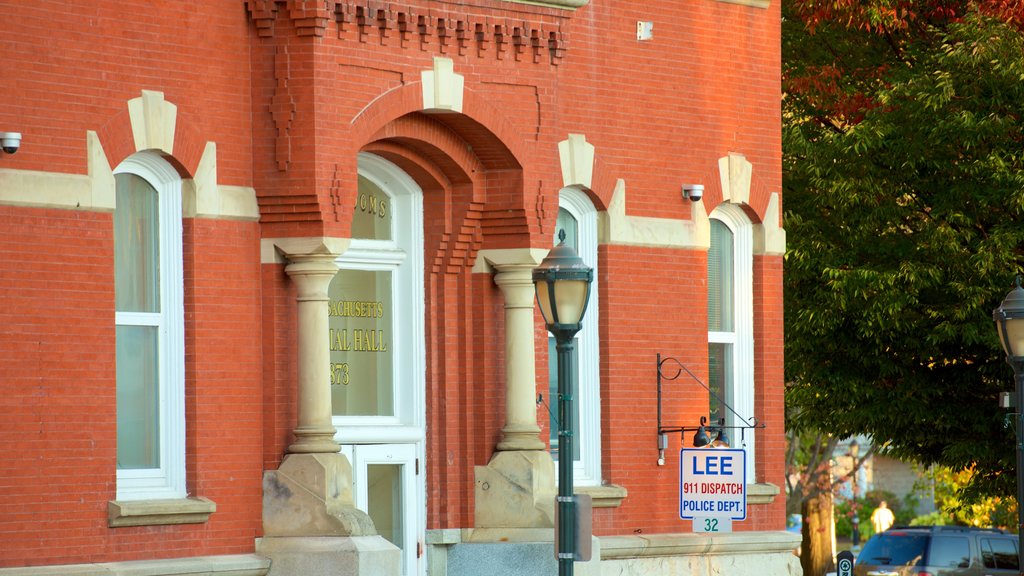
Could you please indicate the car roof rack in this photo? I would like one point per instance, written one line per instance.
(950, 529)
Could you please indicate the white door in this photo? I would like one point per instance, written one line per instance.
(385, 485)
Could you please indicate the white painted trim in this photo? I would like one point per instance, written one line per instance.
(168, 481)
(587, 470)
(742, 337)
(415, 520)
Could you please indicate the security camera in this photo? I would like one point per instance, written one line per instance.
(10, 141)
(693, 191)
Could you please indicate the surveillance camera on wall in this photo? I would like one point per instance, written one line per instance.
(10, 141)
(693, 191)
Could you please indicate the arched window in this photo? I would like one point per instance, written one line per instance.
(577, 216)
(148, 281)
(731, 324)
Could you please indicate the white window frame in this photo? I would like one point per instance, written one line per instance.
(742, 337)
(167, 481)
(402, 255)
(587, 469)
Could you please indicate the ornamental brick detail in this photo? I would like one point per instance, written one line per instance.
(282, 108)
(429, 29)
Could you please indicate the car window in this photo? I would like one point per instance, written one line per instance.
(895, 548)
(999, 553)
(949, 552)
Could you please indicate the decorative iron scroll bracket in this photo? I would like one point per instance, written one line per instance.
(664, 430)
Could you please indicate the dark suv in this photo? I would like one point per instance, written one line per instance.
(939, 551)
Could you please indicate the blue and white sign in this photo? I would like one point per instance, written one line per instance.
(712, 483)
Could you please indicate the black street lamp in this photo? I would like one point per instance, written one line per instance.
(562, 282)
(1009, 318)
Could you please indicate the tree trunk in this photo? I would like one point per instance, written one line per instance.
(816, 549)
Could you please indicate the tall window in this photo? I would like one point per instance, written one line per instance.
(149, 316)
(376, 312)
(731, 324)
(577, 216)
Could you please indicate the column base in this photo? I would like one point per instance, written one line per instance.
(331, 556)
(311, 495)
(312, 440)
(520, 437)
(516, 489)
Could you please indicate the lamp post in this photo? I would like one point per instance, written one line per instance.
(562, 281)
(1009, 318)
(854, 451)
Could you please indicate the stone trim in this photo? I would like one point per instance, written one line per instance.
(576, 156)
(762, 493)
(751, 3)
(159, 512)
(616, 227)
(769, 237)
(233, 565)
(732, 543)
(604, 496)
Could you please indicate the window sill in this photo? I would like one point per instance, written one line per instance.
(159, 512)
(604, 496)
(763, 493)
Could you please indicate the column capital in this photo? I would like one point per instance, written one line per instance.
(508, 259)
(304, 249)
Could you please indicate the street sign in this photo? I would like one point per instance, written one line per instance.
(844, 563)
(712, 483)
(712, 525)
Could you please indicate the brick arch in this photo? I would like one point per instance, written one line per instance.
(449, 174)
(503, 143)
(118, 141)
(757, 204)
(477, 146)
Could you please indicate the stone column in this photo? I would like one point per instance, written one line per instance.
(521, 431)
(312, 274)
(310, 523)
(516, 489)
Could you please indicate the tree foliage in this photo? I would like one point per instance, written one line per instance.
(903, 157)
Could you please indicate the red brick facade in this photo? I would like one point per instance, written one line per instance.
(290, 93)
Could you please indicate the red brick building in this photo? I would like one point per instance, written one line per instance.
(266, 274)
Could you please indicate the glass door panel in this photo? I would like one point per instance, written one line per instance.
(385, 487)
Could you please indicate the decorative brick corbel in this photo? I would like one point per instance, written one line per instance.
(344, 16)
(483, 37)
(385, 24)
(423, 28)
(556, 46)
(462, 35)
(406, 24)
(263, 14)
(310, 16)
(444, 33)
(519, 40)
(500, 40)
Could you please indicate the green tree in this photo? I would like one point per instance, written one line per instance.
(903, 158)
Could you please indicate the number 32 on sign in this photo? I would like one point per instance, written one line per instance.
(716, 524)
